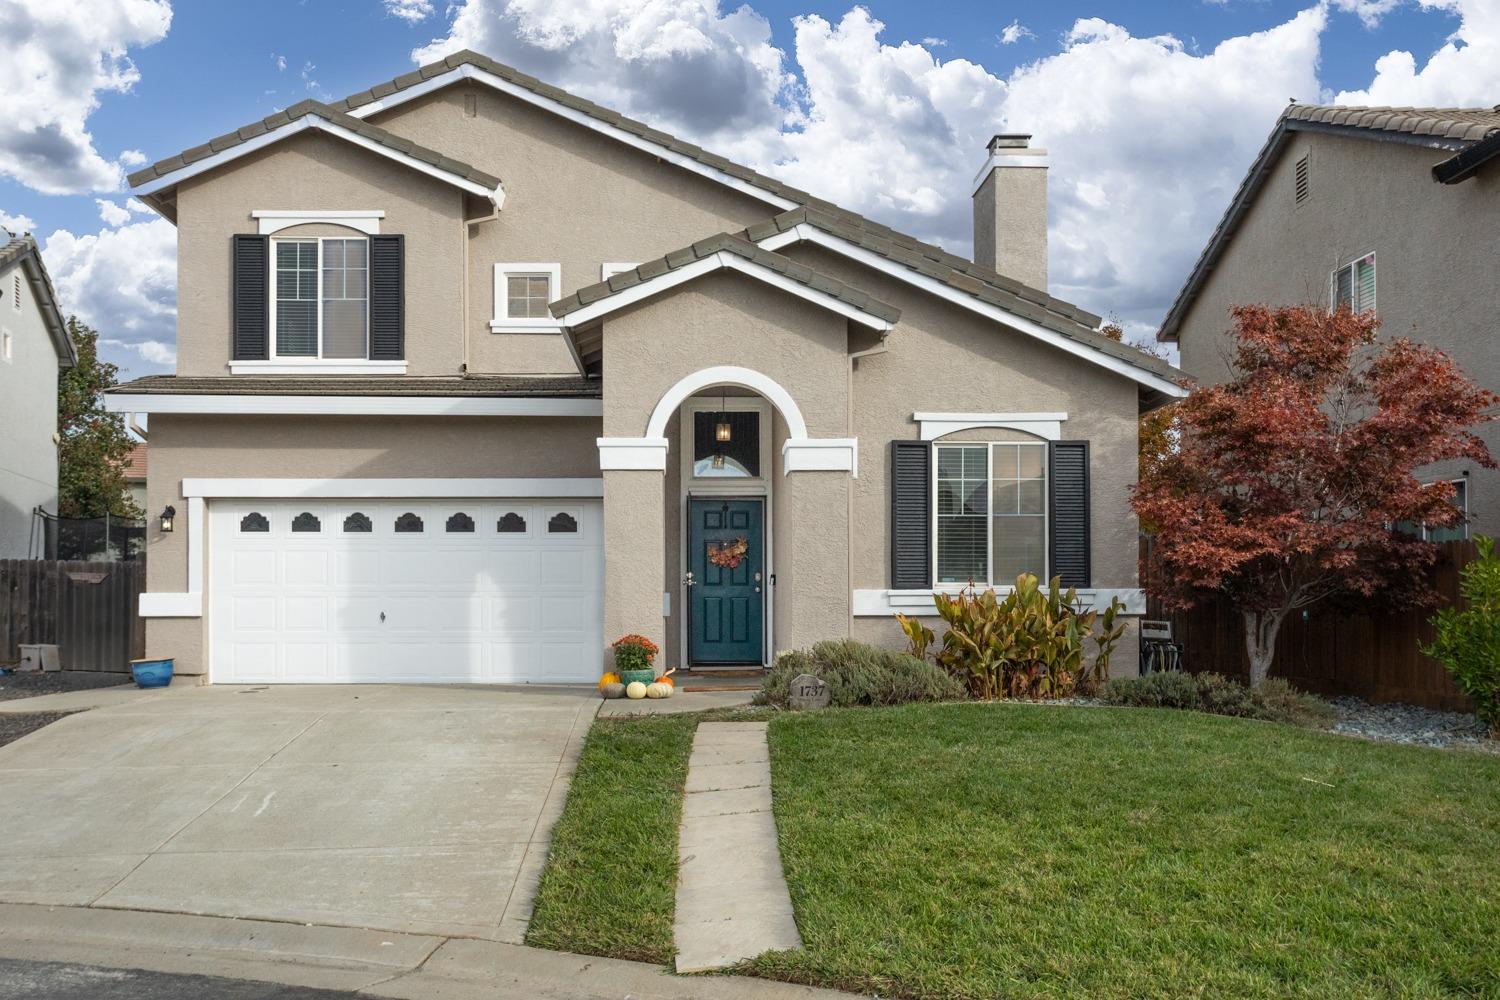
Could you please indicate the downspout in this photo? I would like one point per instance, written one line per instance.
(879, 348)
(497, 199)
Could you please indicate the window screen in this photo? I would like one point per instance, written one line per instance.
(526, 296)
(297, 298)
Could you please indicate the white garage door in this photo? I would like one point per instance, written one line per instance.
(437, 591)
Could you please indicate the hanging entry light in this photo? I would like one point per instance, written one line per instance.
(722, 433)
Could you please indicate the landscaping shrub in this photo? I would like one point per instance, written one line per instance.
(1274, 700)
(1468, 641)
(860, 674)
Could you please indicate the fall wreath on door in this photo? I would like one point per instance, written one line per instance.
(728, 555)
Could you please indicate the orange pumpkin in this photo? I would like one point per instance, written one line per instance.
(609, 678)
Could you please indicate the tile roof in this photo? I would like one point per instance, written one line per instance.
(285, 117)
(135, 463)
(724, 243)
(1443, 128)
(23, 250)
(567, 386)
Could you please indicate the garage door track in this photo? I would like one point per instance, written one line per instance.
(411, 808)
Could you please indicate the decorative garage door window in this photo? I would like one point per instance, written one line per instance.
(306, 521)
(562, 523)
(460, 522)
(358, 523)
(254, 522)
(511, 524)
(408, 523)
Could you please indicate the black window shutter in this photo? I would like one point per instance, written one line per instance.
(1068, 512)
(387, 298)
(250, 271)
(911, 515)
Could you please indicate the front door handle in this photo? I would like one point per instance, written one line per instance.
(757, 588)
(688, 581)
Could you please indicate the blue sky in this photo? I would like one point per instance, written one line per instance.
(904, 92)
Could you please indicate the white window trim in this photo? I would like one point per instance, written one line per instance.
(1333, 281)
(319, 366)
(302, 361)
(271, 221)
(1463, 509)
(502, 323)
(1047, 426)
(609, 269)
(989, 517)
(714, 485)
(877, 603)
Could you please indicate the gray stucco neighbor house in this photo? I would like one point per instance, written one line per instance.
(1391, 209)
(34, 345)
(475, 376)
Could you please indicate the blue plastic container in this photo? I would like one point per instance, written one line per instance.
(151, 673)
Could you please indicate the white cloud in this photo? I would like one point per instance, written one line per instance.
(1368, 11)
(280, 62)
(112, 213)
(131, 158)
(17, 224)
(1464, 71)
(122, 282)
(1014, 32)
(59, 57)
(153, 351)
(410, 11)
(934, 43)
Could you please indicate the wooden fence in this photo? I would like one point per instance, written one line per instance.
(1377, 659)
(88, 609)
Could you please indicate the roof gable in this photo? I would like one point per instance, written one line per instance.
(299, 118)
(1461, 130)
(23, 252)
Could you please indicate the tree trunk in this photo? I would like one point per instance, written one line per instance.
(1261, 628)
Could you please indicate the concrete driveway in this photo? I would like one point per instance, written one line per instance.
(411, 808)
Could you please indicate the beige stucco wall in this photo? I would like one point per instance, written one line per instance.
(316, 172)
(1010, 222)
(1435, 259)
(28, 387)
(329, 448)
(573, 197)
(728, 319)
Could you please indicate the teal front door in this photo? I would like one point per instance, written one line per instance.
(727, 586)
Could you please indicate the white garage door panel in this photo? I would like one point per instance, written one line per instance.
(519, 598)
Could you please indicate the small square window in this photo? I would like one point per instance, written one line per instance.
(522, 292)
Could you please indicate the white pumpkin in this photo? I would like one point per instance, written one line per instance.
(636, 691)
(658, 690)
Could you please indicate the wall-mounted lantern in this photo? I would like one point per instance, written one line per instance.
(168, 513)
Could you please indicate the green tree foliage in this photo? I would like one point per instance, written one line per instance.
(94, 444)
(1468, 641)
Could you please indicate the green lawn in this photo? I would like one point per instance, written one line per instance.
(1020, 851)
(962, 851)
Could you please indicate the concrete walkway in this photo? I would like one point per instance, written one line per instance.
(359, 962)
(732, 900)
(410, 808)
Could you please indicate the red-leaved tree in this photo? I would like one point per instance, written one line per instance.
(1286, 482)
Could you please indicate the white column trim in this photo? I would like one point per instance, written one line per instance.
(270, 221)
(820, 455)
(1047, 426)
(189, 604)
(885, 603)
(648, 454)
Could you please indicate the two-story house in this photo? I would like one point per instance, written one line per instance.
(34, 346)
(475, 376)
(1391, 209)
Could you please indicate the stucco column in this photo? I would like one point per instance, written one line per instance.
(812, 558)
(634, 554)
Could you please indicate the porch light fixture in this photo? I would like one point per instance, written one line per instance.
(722, 434)
(167, 514)
(718, 460)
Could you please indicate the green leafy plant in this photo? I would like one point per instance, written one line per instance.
(634, 652)
(918, 636)
(1273, 700)
(1468, 640)
(1029, 643)
(860, 674)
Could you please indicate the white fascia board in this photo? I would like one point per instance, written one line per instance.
(820, 455)
(271, 221)
(468, 72)
(885, 603)
(812, 234)
(394, 406)
(727, 261)
(1047, 426)
(390, 489)
(303, 124)
(168, 605)
(643, 454)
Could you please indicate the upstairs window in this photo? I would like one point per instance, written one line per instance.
(522, 292)
(1354, 284)
(320, 296)
(991, 512)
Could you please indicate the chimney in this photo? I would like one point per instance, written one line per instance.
(1010, 210)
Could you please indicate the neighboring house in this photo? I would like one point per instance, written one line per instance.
(34, 345)
(1391, 209)
(475, 376)
(135, 475)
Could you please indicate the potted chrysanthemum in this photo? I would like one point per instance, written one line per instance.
(633, 656)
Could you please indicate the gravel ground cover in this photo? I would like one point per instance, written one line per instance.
(14, 726)
(29, 685)
(1408, 724)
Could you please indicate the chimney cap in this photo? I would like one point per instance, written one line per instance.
(1010, 140)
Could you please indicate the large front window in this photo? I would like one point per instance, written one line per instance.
(321, 297)
(991, 512)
